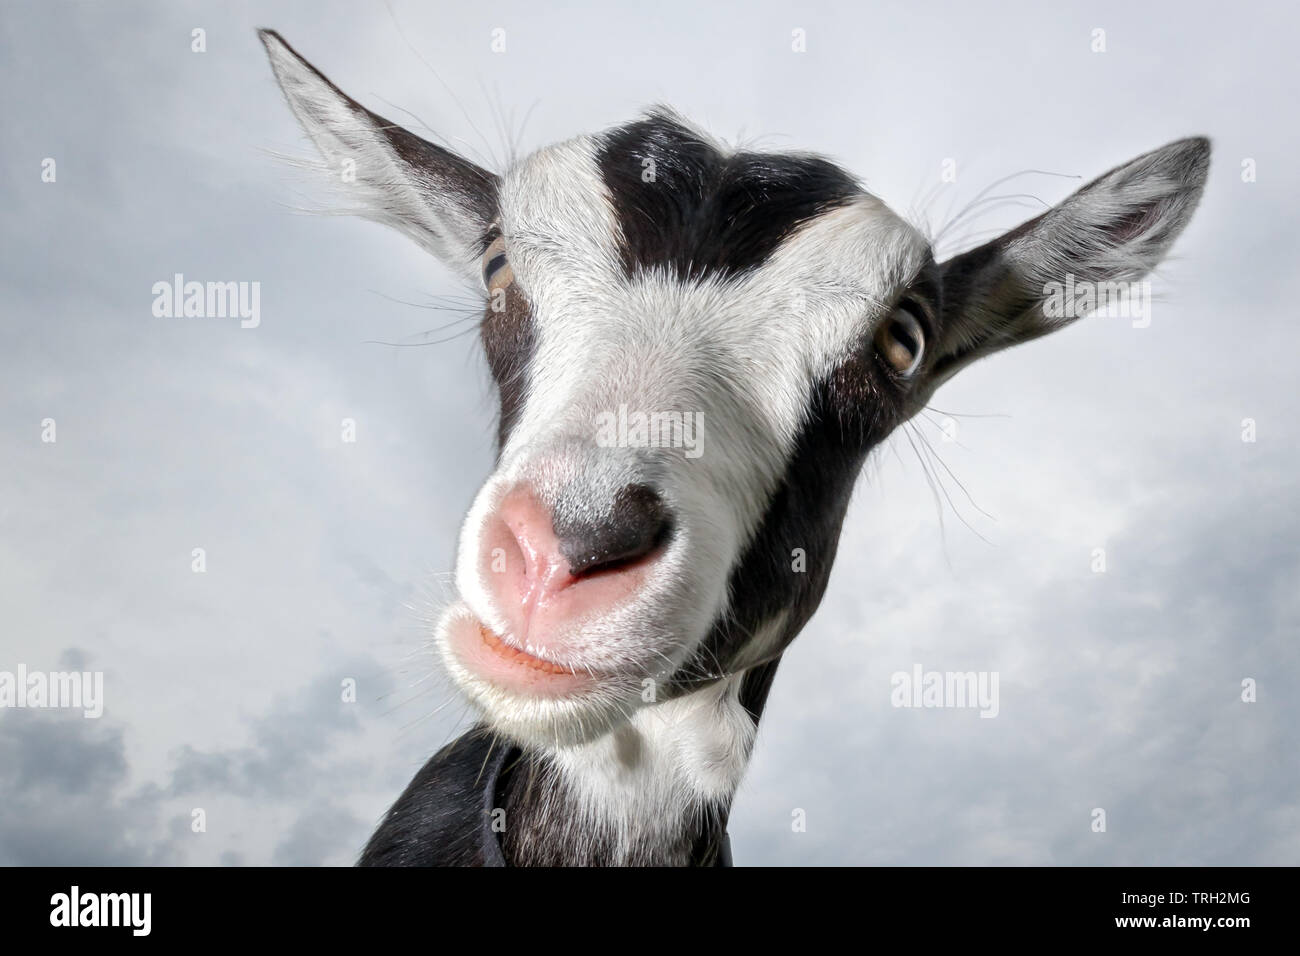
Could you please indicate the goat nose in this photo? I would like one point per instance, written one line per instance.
(544, 572)
(636, 525)
(550, 553)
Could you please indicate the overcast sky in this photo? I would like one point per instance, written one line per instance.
(324, 560)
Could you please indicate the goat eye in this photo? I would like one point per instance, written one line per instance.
(493, 268)
(901, 341)
(497, 273)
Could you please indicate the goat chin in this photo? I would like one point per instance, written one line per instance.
(540, 707)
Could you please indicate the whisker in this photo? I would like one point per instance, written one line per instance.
(944, 488)
(410, 345)
(939, 458)
(938, 504)
(492, 162)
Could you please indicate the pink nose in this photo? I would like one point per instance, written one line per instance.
(543, 572)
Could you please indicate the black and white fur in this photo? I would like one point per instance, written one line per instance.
(762, 290)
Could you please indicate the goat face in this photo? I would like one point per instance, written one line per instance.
(694, 349)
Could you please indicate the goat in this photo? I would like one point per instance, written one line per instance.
(623, 603)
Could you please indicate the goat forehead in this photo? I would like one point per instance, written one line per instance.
(653, 240)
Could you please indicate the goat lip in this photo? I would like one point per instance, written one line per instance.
(503, 649)
(486, 662)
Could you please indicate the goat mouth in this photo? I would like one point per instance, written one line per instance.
(527, 697)
(514, 655)
(487, 663)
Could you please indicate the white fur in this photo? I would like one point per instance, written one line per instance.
(669, 761)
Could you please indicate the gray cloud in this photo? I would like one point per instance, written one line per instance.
(66, 799)
(69, 797)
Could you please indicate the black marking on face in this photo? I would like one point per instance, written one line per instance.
(923, 297)
(685, 206)
(508, 342)
(853, 410)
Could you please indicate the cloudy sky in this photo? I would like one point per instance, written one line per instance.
(1119, 690)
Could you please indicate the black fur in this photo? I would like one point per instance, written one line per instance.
(637, 522)
(684, 206)
(446, 817)
(508, 343)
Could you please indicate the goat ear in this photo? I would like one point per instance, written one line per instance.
(1115, 229)
(443, 202)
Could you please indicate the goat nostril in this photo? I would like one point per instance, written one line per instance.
(638, 523)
